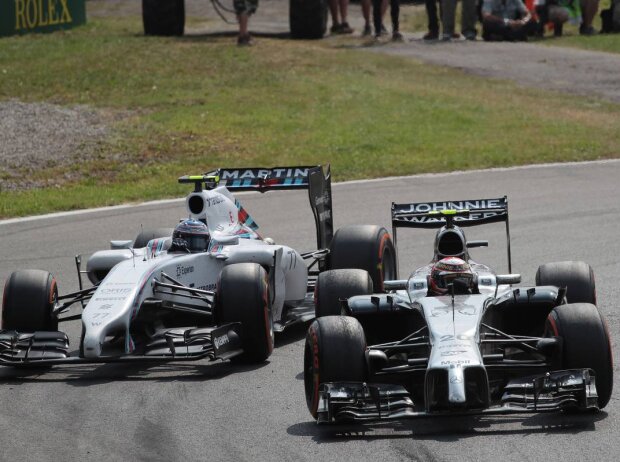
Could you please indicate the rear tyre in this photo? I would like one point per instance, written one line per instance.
(243, 296)
(308, 18)
(576, 276)
(28, 302)
(586, 343)
(334, 352)
(145, 236)
(335, 285)
(366, 247)
(163, 17)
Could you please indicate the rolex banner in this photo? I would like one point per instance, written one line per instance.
(24, 16)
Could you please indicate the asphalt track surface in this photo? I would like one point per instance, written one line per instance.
(215, 411)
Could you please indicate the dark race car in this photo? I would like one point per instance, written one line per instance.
(456, 337)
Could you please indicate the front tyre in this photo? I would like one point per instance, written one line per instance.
(366, 247)
(336, 285)
(243, 296)
(334, 352)
(28, 302)
(163, 17)
(586, 343)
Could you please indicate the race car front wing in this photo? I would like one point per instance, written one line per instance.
(553, 391)
(179, 344)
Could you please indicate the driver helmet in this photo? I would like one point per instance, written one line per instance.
(192, 235)
(446, 271)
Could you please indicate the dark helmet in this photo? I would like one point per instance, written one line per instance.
(446, 271)
(450, 242)
(191, 235)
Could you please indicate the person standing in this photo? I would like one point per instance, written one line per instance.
(589, 8)
(377, 14)
(339, 8)
(244, 9)
(468, 19)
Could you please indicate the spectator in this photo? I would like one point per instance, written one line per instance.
(394, 13)
(589, 9)
(433, 21)
(468, 19)
(556, 12)
(342, 26)
(610, 18)
(366, 14)
(506, 20)
(244, 9)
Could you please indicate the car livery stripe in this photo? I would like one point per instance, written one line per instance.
(265, 284)
(553, 325)
(384, 239)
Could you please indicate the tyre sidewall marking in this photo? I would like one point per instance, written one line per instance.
(382, 242)
(314, 342)
(268, 327)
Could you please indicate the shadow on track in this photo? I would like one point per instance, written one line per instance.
(453, 428)
(97, 374)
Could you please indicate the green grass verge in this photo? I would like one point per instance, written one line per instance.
(195, 103)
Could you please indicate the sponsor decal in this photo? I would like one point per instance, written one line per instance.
(183, 270)
(220, 341)
(456, 380)
(212, 201)
(23, 16)
(111, 291)
(109, 299)
(452, 205)
(100, 315)
(453, 346)
(322, 200)
(207, 287)
(107, 306)
(453, 352)
(325, 215)
(243, 174)
(455, 363)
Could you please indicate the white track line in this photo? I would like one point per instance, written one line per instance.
(343, 183)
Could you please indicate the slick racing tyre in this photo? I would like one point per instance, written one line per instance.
(163, 17)
(586, 343)
(242, 295)
(576, 276)
(308, 18)
(145, 236)
(334, 352)
(366, 247)
(28, 302)
(335, 285)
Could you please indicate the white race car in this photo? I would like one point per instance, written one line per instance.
(212, 288)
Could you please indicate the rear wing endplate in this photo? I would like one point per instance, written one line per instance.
(313, 178)
(432, 215)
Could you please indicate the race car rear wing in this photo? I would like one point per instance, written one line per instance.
(462, 213)
(312, 178)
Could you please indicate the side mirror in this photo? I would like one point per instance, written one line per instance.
(508, 279)
(472, 244)
(227, 240)
(116, 245)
